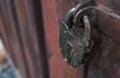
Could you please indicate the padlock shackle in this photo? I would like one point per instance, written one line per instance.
(87, 26)
(69, 17)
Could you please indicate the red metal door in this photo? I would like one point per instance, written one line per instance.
(30, 30)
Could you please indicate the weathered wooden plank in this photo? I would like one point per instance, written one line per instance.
(113, 4)
(25, 35)
(104, 62)
(6, 13)
(36, 52)
(54, 13)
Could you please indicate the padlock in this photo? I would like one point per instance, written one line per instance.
(75, 46)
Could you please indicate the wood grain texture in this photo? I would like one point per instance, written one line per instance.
(54, 13)
(113, 4)
(30, 30)
(20, 32)
(104, 62)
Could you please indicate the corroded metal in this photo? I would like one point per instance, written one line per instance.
(74, 46)
(69, 18)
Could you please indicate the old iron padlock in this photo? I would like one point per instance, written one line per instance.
(75, 46)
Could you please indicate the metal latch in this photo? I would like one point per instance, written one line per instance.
(75, 34)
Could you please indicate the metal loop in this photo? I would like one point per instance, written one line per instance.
(83, 5)
(90, 11)
(87, 31)
(69, 17)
